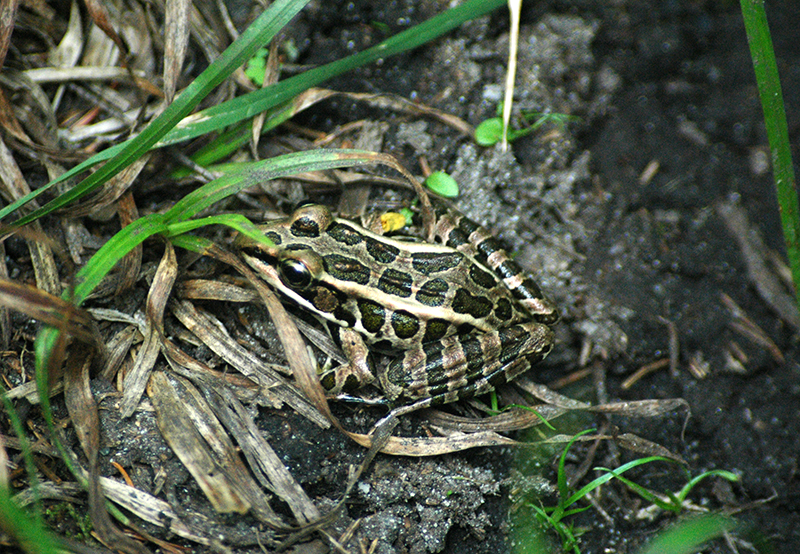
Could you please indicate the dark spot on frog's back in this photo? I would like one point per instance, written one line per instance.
(432, 293)
(382, 252)
(373, 315)
(480, 277)
(503, 310)
(346, 269)
(466, 303)
(395, 283)
(429, 263)
(274, 237)
(305, 227)
(344, 234)
(435, 329)
(404, 324)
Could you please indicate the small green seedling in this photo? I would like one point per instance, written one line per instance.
(442, 184)
(490, 131)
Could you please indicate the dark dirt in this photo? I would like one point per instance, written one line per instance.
(665, 84)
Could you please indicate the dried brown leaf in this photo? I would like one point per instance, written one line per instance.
(136, 379)
(274, 389)
(176, 40)
(51, 310)
(190, 427)
(754, 253)
(83, 412)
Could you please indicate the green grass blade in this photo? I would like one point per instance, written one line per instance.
(610, 475)
(252, 173)
(253, 103)
(28, 532)
(117, 247)
(687, 488)
(19, 430)
(769, 88)
(687, 536)
(259, 33)
(561, 475)
(673, 506)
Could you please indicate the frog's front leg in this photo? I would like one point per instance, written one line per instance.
(357, 372)
(459, 367)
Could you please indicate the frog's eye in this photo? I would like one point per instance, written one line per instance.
(295, 273)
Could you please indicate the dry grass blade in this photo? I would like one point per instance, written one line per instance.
(8, 11)
(549, 396)
(9, 122)
(274, 389)
(205, 289)
(101, 18)
(514, 419)
(404, 105)
(635, 443)
(643, 408)
(190, 427)
(131, 264)
(117, 349)
(176, 40)
(434, 446)
(270, 77)
(222, 392)
(514, 8)
(136, 379)
(262, 459)
(111, 190)
(5, 314)
(83, 411)
(303, 367)
(152, 510)
(754, 253)
(748, 328)
(13, 186)
(646, 369)
(50, 310)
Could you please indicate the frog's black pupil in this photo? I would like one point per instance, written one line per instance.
(295, 274)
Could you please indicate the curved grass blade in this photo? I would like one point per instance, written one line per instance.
(252, 173)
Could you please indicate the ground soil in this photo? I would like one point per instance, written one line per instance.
(620, 216)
